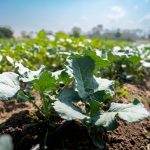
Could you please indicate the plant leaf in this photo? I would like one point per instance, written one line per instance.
(94, 106)
(82, 68)
(56, 74)
(106, 119)
(101, 96)
(46, 82)
(98, 136)
(61, 76)
(68, 111)
(105, 89)
(6, 142)
(65, 105)
(26, 75)
(104, 84)
(68, 94)
(9, 85)
(99, 60)
(131, 112)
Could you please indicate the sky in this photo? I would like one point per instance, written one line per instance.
(62, 15)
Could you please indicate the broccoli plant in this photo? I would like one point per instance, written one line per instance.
(87, 96)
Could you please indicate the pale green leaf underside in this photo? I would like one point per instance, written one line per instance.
(9, 85)
(26, 75)
(65, 107)
(129, 112)
(56, 74)
(105, 85)
(6, 142)
(68, 111)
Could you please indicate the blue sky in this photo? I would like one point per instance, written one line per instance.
(33, 15)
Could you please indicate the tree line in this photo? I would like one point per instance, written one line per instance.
(97, 31)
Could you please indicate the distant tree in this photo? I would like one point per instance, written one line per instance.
(108, 34)
(6, 32)
(49, 32)
(25, 35)
(76, 31)
(130, 35)
(118, 34)
(96, 31)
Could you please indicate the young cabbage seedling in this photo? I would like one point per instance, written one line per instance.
(84, 100)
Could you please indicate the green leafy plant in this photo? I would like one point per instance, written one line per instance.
(86, 97)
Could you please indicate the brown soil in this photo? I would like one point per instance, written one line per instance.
(140, 91)
(17, 120)
(130, 136)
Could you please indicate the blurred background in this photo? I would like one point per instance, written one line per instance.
(109, 19)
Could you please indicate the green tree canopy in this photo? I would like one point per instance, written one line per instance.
(6, 32)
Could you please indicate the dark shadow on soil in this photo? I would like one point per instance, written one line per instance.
(129, 136)
(23, 138)
(8, 106)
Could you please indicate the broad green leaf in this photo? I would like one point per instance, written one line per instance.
(113, 58)
(105, 89)
(101, 96)
(134, 59)
(104, 84)
(82, 68)
(131, 112)
(106, 119)
(68, 94)
(68, 111)
(66, 107)
(6, 142)
(61, 76)
(46, 82)
(26, 75)
(9, 85)
(94, 106)
(99, 60)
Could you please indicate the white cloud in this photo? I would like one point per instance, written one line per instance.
(116, 13)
